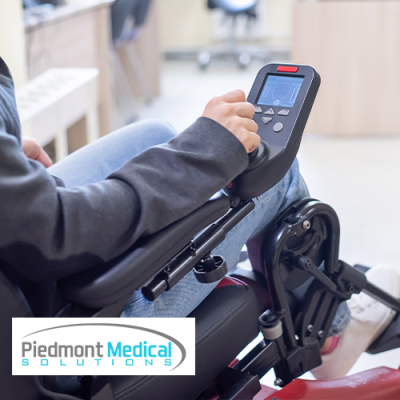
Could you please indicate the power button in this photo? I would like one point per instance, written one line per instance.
(278, 127)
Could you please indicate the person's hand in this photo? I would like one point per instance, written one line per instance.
(35, 152)
(233, 112)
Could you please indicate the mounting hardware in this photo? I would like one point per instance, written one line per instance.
(306, 224)
(278, 382)
(210, 269)
(296, 337)
(306, 264)
(321, 333)
(270, 324)
(310, 328)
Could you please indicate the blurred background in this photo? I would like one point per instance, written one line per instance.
(84, 68)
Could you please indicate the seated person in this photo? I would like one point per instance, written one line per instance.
(93, 205)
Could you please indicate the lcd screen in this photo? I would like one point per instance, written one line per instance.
(280, 91)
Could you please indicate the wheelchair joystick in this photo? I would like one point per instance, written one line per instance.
(253, 155)
(283, 96)
(210, 269)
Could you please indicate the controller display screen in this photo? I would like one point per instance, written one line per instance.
(280, 91)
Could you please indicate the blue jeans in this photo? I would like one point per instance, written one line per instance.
(96, 161)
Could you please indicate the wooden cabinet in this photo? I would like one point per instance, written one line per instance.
(75, 36)
(355, 46)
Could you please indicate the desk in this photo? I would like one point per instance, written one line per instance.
(75, 36)
(354, 45)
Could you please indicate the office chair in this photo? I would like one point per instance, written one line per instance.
(241, 53)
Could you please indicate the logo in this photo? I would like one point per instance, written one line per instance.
(103, 346)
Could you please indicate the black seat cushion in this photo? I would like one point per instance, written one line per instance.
(13, 305)
(226, 322)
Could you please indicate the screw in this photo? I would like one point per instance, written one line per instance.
(306, 224)
(309, 328)
(308, 264)
(278, 382)
(351, 288)
(296, 337)
(321, 333)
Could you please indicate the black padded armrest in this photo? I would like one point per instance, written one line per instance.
(120, 277)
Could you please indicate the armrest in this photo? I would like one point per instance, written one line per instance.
(120, 277)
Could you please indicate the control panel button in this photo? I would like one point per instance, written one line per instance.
(278, 127)
(267, 119)
(270, 111)
(287, 68)
(257, 109)
(284, 112)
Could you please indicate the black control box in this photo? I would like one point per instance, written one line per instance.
(283, 96)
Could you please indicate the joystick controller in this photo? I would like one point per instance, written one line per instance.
(283, 96)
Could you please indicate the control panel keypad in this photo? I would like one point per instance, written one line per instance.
(270, 111)
(278, 126)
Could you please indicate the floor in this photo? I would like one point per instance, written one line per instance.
(358, 177)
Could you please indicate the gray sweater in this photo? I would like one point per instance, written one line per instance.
(50, 232)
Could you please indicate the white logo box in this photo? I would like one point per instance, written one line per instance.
(103, 346)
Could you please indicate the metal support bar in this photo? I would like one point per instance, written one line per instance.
(199, 248)
(382, 297)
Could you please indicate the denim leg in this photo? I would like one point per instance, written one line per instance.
(341, 320)
(95, 161)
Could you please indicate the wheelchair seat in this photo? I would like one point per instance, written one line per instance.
(228, 315)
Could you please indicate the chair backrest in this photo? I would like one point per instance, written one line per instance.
(232, 6)
(12, 305)
(121, 9)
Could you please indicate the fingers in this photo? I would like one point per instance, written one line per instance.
(244, 110)
(234, 113)
(44, 158)
(234, 97)
(250, 140)
(250, 125)
(34, 151)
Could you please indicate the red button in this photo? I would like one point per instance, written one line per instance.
(285, 68)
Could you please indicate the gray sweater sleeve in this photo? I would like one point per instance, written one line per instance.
(48, 232)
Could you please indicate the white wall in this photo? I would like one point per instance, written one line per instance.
(12, 39)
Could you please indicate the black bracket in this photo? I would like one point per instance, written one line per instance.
(210, 269)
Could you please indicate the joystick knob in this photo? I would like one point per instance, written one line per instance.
(257, 153)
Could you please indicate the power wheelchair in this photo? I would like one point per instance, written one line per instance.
(292, 302)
